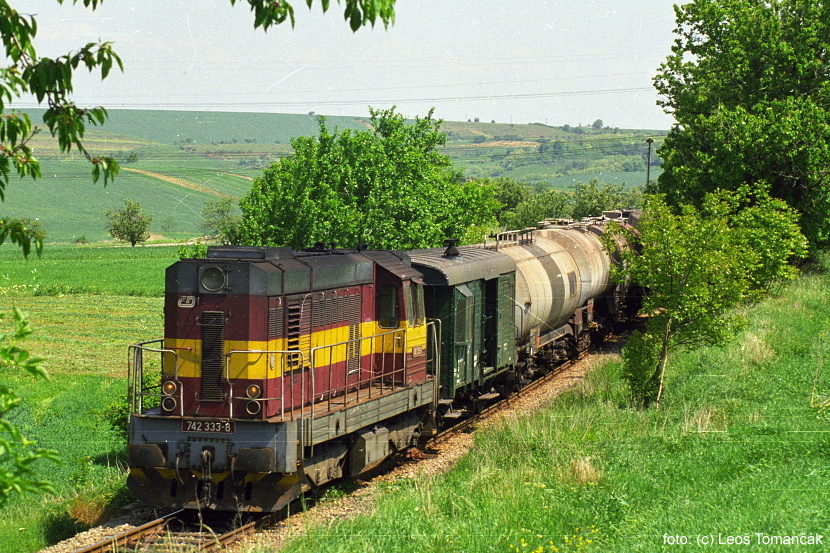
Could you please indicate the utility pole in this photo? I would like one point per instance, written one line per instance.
(648, 165)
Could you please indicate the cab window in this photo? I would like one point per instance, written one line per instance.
(387, 306)
(418, 301)
(414, 298)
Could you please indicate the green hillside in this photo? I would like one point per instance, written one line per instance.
(553, 156)
(206, 127)
(174, 161)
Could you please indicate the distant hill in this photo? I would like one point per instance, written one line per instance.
(174, 127)
(546, 156)
(175, 161)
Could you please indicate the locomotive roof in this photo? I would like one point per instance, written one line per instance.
(471, 263)
(396, 262)
(269, 270)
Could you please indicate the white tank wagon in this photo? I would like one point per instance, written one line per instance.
(563, 282)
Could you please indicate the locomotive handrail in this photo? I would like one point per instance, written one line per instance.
(137, 393)
(396, 333)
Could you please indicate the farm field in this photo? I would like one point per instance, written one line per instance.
(71, 207)
(174, 162)
(63, 270)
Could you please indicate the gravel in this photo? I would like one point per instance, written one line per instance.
(135, 515)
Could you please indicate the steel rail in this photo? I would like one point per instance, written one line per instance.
(156, 531)
(131, 536)
(219, 542)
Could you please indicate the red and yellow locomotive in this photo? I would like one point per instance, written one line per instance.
(272, 361)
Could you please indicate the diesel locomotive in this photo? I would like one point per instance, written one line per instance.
(282, 370)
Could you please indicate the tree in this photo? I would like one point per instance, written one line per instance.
(17, 454)
(589, 199)
(697, 266)
(508, 192)
(748, 85)
(597, 125)
(387, 187)
(222, 218)
(549, 204)
(129, 223)
(23, 232)
(358, 13)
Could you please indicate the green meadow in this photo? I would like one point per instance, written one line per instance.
(86, 305)
(100, 270)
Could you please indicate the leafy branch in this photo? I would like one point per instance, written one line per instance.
(358, 13)
(50, 81)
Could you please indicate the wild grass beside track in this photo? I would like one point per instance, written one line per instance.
(740, 447)
(83, 340)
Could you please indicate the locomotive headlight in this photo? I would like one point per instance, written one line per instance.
(213, 279)
(168, 403)
(253, 407)
(253, 391)
(169, 388)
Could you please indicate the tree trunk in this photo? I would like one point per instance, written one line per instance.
(664, 359)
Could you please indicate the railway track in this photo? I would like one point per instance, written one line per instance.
(176, 532)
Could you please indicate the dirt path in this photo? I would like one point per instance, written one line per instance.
(179, 182)
(237, 176)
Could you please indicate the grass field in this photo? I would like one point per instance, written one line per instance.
(61, 270)
(739, 450)
(76, 300)
(70, 206)
(174, 127)
(83, 343)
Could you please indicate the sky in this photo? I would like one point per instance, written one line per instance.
(555, 62)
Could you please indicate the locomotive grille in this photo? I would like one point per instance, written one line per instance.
(275, 318)
(298, 327)
(213, 349)
(353, 318)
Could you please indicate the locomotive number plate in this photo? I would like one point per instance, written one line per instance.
(216, 427)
